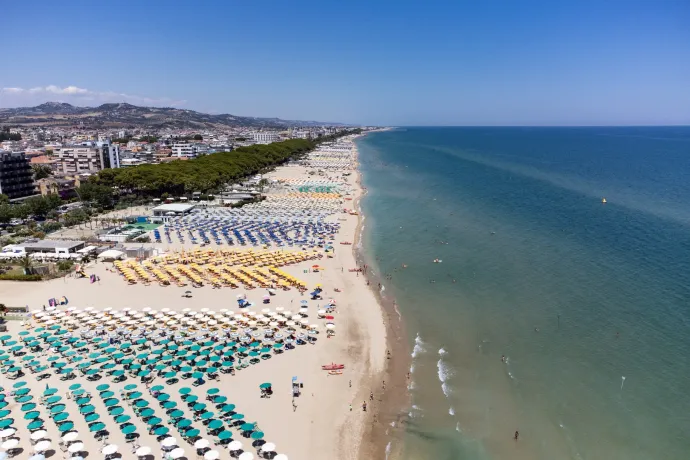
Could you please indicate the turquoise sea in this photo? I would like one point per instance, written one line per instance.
(588, 302)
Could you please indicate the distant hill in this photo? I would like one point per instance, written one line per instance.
(122, 115)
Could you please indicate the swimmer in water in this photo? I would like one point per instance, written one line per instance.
(503, 358)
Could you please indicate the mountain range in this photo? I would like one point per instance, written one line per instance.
(116, 115)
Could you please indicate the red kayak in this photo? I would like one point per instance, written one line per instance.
(333, 367)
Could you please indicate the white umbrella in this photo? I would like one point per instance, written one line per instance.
(40, 434)
(177, 453)
(42, 446)
(10, 444)
(143, 451)
(110, 449)
(6, 433)
(71, 436)
(169, 442)
(268, 447)
(280, 457)
(76, 447)
(201, 444)
(234, 445)
(246, 456)
(37, 457)
(211, 455)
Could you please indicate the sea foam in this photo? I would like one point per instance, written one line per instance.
(444, 373)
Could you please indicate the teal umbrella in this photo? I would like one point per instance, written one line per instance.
(129, 429)
(60, 365)
(228, 408)
(135, 395)
(147, 413)
(247, 427)
(103, 387)
(163, 397)
(185, 390)
(4, 413)
(206, 416)
(191, 398)
(220, 399)
(184, 423)
(19, 384)
(153, 421)
(4, 423)
(107, 394)
(170, 375)
(169, 404)
(52, 391)
(237, 416)
(57, 408)
(177, 413)
(141, 403)
(25, 398)
(265, 350)
(118, 373)
(34, 414)
(88, 409)
(143, 373)
(28, 406)
(228, 364)
(257, 435)
(158, 388)
(53, 399)
(253, 354)
(92, 417)
(125, 346)
(98, 426)
(108, 366)
(83, 401)
(161, 430)
(79, 392)
(61, 417)
(35, 425)
(72, 387)
(122, 419)
(67, 426)
(199, 407)
(277, 345)
(263, 386)
(115, 411)
(224, 435)
(21, 392)
(111, 402)
(186, 369)
(215, 424)
(213, 391)
(130, 387)
(193, 433)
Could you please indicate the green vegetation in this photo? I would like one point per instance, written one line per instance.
(39, 206)
(207, 173)
(101, 195)
(5, 135)
(149, 139)
(41, 171)
(18, 277)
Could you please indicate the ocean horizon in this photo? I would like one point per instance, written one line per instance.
(531, 304)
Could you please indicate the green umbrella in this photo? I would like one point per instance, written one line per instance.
(34, 414)
(141, 403)
(88, 409)
(228, 408)
(129, 429)
(115, 411)
(215, 424)
(193, 433)
(130, 387)
(61, 417)
(4, 423)
(103, 387)
(185, 390)
(257, 435)
(111, 402)
(206, 415)
(35, 425)
(224, 435)
(184, 423)
(213, 391)
(263, 386)
(158, 388)
(67, 426)
(122, 419)
(147, 412)
(247, 427)
(92, 417)
(98, 426)
(161, 430)
(153, 421)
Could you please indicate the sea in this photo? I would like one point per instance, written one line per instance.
(529, 303)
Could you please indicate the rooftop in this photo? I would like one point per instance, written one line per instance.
(52, 244)
(174, 207)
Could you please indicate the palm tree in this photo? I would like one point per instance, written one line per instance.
(27, 264)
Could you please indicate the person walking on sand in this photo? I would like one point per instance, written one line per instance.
(371, 396)
(517, 435)
(364, 406)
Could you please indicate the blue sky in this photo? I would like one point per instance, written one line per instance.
(391, 63)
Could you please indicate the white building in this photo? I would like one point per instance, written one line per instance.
(265, 137)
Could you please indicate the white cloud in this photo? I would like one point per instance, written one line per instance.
(76, 95)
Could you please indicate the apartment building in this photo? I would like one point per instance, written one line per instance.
(16, 175)
(87, 157)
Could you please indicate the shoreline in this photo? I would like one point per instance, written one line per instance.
(383, 439)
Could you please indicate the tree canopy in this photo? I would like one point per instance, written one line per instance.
(204, 174)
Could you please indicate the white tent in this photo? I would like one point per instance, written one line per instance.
(111, 254)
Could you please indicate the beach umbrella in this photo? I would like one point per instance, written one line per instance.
(247, 426)
(37, 435)
(169, 405)
(264, 386)
(224, 435)
(71, 436)
(184, 423)
(129, 429)
(83, 401)
(177, 453)
(135, 395)
(199, 407)
(103, 387)
(110, 449)
(201, 444)
(53, 399)
(121, 419)
(98, 426)
(228, 408)
(143, 451)
(76, 447)
(92, 417)
(147, 413)
(89, 408)
(28, 406)
(257, 435)
(118, 373)
(5, 413)
(42, 446)
(237, 416)
(193, 433)
(25, 398)
(212, 391)
(6, 433)
(52, 391)
(161, 430)
(141, 403)
(153, 421)
(191, 398)
(176, 413)
(61, 417)
(34, 414)
(163, 397)
(130, 387)
(110, 402)
(115, 411)
(234, 446)
(9, 444)
(158, 388)
(19, 384)
(35, 425)
(215, 424)
(21, 392)
(211, 455)
(219, 399)
(169, 442)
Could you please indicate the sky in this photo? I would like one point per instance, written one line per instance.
(616, 62)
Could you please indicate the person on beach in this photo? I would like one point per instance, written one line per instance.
(371, 396)
(517, 435)
(384, 384)
(364, 406)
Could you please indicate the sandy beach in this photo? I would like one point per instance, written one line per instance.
(327, 420)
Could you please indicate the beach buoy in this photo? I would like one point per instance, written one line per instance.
(603, 200)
